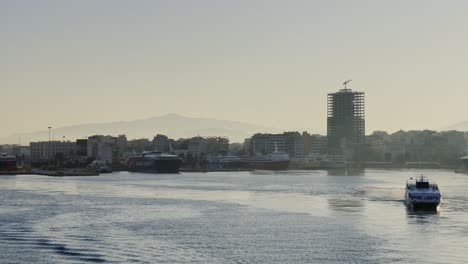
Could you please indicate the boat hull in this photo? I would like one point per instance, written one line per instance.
(423, 206)
(155, 166)
(422, 201)
(266, 165)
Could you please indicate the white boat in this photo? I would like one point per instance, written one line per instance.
(100, 166)
(277, 160)
(333, 162)
(420, 194)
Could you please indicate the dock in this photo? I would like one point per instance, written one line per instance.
(52, 173)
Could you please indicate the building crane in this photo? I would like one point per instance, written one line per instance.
(345, 85)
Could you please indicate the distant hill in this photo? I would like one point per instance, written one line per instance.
(462, 126)
(173, 125)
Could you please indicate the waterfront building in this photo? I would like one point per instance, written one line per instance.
(345, 119)
(293, 144)
(374, 150)
(318, 145)
(247, 146)
(121, 149)
(306, 142)
(263, 144)
(100, 148)
(8, 149)
(466, 142)
(289, 142)
(394, 151)
(82, 147)
(465, 162)
(197, 146)
(217, 146)
(162, 143)
(456, 140)
(259, 144)
(23, 154)
(46, 150)
(140, 145)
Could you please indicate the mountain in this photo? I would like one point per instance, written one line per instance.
(173, 125)
(462, 126)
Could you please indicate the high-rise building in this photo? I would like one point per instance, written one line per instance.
(346, 121)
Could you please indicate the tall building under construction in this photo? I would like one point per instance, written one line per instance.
(346, 121)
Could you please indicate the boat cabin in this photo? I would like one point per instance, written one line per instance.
(421, 183)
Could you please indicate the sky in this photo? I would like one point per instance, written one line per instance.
(270, 63)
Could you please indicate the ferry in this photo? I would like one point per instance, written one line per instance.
(309, 162)
(277, 160)
(7, 162)
(420, 194)
(154, 162)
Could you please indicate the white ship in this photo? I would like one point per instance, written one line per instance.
(420, 194)
(100, 166)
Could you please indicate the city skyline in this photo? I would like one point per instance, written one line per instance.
(270, 63)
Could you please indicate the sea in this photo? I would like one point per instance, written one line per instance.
(231, 217)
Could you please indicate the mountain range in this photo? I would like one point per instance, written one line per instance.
(462, 126)
(173, 125)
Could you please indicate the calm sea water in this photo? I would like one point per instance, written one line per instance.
(244, 217)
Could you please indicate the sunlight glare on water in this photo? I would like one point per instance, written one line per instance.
(242, 217)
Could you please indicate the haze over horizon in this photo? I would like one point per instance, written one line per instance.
(269, 63)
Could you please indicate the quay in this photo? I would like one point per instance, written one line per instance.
(53, 173)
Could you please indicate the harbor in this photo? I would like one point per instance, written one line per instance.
(128, 217)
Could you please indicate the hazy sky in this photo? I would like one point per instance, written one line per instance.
(265, 62)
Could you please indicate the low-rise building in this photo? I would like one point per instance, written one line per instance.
(162, 143)
(293, 144)
(197, 146)
(262, 144)
(47, 150)
(100, 147)
(217, 146)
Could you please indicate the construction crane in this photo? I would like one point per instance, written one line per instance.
(345, 85)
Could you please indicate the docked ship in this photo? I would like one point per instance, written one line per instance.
(274, 161)
(465, 162)
(154, 162)
(309, 162)
(420, 194)
(227, 162)
(7, 162)
(100, 166)
(333, 162)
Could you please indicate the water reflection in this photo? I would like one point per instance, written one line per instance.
(346, 172)
(345, 205)
(422, 217)
(248, 217)
(421, 213)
